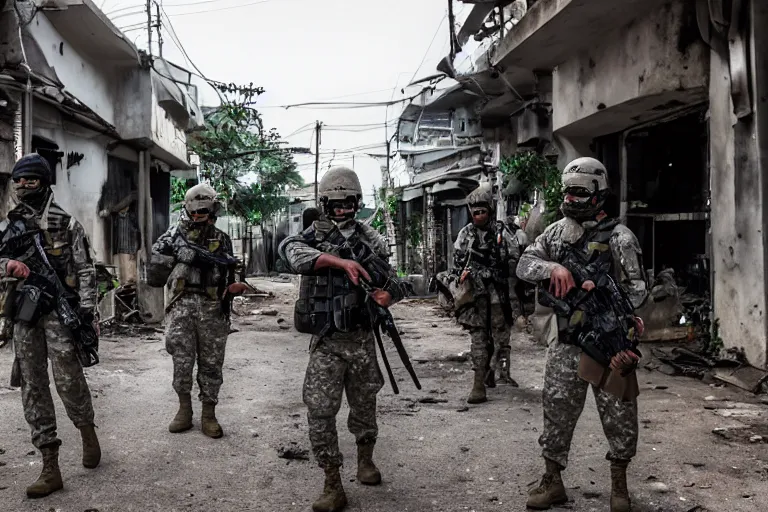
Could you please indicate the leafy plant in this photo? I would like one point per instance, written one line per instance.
(378, 221)
(179, 187)
(536, 173)
(414, 233)
(715, 344)
(246, 165)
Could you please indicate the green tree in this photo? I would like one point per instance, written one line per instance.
(535, 172)
(244, 163)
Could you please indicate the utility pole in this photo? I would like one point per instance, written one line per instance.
(149, 26)
(159, 34)
(318, 126)
(452, 28)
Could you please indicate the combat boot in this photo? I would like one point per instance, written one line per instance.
(183, 420)
(50, 478)
(504, 369)
(333, 498)
(550, 491)
(91, 448)
(367, 472)
(490, 378)
(619, 493)
(210, 424)
(477, 395)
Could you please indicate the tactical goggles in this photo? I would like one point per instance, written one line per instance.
(341, 205)
(201, 211)
(28, 182)
(476, 212)
(580, 192)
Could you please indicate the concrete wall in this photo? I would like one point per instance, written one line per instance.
(77, 189)
(82, 78)
(738, 165)
(133, 111)
(165, 134)
(655, 57)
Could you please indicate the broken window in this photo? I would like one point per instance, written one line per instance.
(49, 150)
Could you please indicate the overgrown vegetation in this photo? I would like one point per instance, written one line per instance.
(715, 344)
(414, 233)
(244, 163)
(535, 172)
(384, 201)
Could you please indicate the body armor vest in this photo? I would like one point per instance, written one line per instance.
(328, 301)
(196, 278)
(595, 245)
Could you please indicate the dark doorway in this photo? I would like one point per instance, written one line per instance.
(667, 191)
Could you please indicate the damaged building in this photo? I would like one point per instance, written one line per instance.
(110, 120)
(665, 94)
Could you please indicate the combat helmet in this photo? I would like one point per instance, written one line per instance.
(482, 195)
(338, 184)
(340, 188)
(585, 183)
(201, 197)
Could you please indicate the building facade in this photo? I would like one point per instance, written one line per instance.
(110, 119)
(670, 95)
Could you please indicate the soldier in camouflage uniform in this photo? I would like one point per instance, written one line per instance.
(585, 191)
(342, 350)
(68, 251)
(485, 257)
(197, 320)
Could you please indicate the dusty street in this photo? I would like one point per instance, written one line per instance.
(436, 453)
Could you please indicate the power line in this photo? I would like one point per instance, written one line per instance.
(342, 104)
(424, 58)
(222, 8)
(301, 129)
(139, 9)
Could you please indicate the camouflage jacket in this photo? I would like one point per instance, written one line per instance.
(491, 257)
(300, 252)
(548, 250)
(66, 246)
(186, 278)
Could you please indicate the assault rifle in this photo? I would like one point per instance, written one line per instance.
(42, 292)
(380, 317)
(198, 256)
(607, 324)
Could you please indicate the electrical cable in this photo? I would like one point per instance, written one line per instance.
(222, 8)
(424, 58)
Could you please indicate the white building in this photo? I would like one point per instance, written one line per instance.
(110, 119)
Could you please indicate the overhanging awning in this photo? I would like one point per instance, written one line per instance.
(464, 179)
(411, 193)
(89, 30)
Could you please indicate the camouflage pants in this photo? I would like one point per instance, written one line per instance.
(197, 330)
(501, 333)
(563, 400)
(34, 345)
(342, 362)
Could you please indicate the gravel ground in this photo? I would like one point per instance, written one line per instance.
(435, 452)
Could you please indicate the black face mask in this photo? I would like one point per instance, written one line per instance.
(34, 197)
(348, 205)
(586, 205)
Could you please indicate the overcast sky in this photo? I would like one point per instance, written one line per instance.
(308, 50)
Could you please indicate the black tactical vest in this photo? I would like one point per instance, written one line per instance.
(328, 301)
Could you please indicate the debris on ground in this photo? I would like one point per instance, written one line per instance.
(461, 357)
(432, 400)
(293, 452)
(264, 312)
(687, 362)
(745, 377)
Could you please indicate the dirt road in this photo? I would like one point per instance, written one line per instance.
(435, 452)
